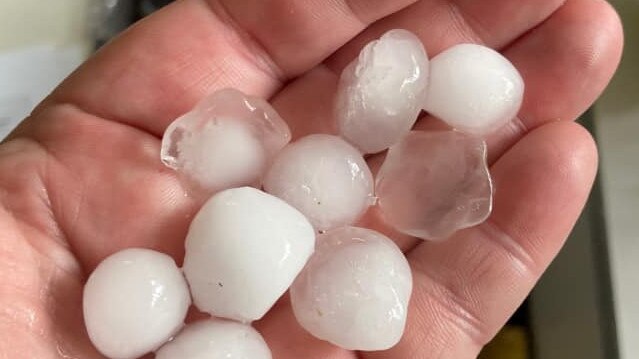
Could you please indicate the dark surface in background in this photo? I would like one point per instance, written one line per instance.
(115, 19)
(594, 211)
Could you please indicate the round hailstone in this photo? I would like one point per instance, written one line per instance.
(325, 178)
(243, 250)
(354, 291)
(473, 88)
(216, 339)
(226, 141)
(134, 301)
(382, 92)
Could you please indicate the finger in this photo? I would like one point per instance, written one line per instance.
(565, 76)
(442, 24)
(467, 287)
(158, 69)
(585, 39)
(566, 63)
(307, 101)
(581, 32)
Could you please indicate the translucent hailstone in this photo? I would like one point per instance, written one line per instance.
(382, 92)
(354, 291)
(243, 250)
(325, 178)
(216, 339)
(134, 301)
(435, 183)
(473, 88)
(226, 141)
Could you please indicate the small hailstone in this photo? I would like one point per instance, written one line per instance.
(381, 93)
(216, 339)
(435, 183)
(354, 291)
(134, 301)
(243, 250)
(473, 88)
(325, 178)
(226, 141)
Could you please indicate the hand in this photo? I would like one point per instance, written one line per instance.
(81, 177)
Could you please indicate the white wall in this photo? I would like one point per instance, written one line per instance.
(617, 122)
(41, 42)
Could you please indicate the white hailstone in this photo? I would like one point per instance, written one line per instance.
(473, 88)
(354, 291)
(227, 140)
(243, 250)
(216, 339)
(325, 178)
(381, 93)
(134, 301)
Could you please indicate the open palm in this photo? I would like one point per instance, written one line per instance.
(81, 177)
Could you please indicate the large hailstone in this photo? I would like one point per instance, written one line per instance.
(354, 291)
(243, 250)
(226, 141)
(382, 92)
(474, 89)
(216, 339)
(134, 301)
(434, 183)
(325, 178)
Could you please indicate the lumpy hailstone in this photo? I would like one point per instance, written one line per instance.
(473, 88)
(382, 92)
(325, 178)
(243, 250)
(134, 301)
(354, 291)
(216, 339)
(227, 140)
(435, 183)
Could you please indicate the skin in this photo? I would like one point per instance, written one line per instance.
(81, 178)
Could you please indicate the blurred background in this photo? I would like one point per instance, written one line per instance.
(586, 306)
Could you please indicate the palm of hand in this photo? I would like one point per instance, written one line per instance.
(81, 177)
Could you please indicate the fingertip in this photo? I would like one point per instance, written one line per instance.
(541, 186)
(572, 55)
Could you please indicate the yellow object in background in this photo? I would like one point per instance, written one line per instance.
(511, 342)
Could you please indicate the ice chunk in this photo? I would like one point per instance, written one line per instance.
(325, 178)
(134, 301)
(243, 250)
(382, 92)
(216, 339)
(354, 291)
(434, 183)
(474, 89)
(226, 141)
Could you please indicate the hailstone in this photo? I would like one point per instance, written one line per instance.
(325, 178)
(244, 248)
(381, 93)
(226, 141)
(473, 89)
(134, 301)
(432, 184)
(216, 339)
(354, 291)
